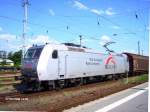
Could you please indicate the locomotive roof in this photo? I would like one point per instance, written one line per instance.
(36, 46)
(72, 44)
(69, 46)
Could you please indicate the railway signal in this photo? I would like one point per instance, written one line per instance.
(80, 40)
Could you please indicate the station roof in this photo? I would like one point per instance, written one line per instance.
(7, 60)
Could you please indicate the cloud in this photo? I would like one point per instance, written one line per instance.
(130, 51)
(1, 29)
(109, 12)
(14, 47)
(10, 42)
(8, 37)
(28, 28)
(42, 39)
(104, 39)
(80, 5)
(115, 27)
(14, 44)
(52, 13)
(98, 12)
(148, 28)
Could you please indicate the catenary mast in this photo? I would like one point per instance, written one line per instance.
(24, 34)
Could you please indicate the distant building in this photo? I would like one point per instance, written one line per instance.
(3, 54)
(7, 62)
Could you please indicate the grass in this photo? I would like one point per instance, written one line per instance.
(8, 72)
(7, 78)
(5, 89)
(136, 79)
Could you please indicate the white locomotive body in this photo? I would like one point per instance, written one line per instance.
(64, 62)
(53, 62)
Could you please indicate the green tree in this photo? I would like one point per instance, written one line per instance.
(3, 62)
(15, 57)
(10, 55)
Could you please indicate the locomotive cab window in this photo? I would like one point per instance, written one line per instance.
(33, 53)
(55, 54)
(37, 52)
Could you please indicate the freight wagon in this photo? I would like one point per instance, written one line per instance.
(138, 63)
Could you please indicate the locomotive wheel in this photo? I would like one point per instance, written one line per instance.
(36, 86)
(59, 84)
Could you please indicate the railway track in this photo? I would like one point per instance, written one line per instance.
(8, 79)
(6, 97)
(63, 99)
(12, 96)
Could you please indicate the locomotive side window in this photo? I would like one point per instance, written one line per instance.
(55, 54)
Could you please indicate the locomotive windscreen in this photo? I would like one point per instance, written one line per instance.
(33, 53)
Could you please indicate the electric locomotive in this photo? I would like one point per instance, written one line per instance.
(60, 65)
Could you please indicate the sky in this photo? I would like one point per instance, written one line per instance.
(124, 22)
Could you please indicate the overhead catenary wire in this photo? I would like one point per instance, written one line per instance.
(44, 26)
(77, 33)
(80, 16)
(98, 23)
(68, 16)
(68, 28)
(34, 24)
(58, 29)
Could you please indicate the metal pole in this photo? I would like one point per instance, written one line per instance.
(127, 79)
(139, 47)
(25, 5)
(80, 40)
(142, 52)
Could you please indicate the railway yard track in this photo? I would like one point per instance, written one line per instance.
(62, 99)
